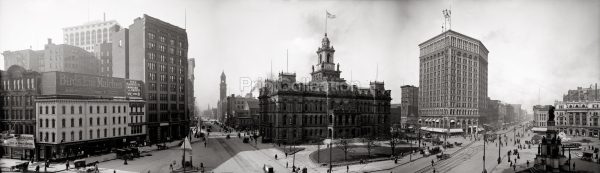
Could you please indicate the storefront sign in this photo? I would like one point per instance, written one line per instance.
(63, 83)
(19, 141)
(134, 88)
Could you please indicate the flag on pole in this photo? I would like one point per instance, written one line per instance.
(329, 15)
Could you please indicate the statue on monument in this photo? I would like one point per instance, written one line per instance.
(551, 113)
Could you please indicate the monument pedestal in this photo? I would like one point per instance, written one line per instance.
(549, 157)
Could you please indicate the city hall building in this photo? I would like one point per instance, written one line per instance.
(453, 85)
(325, 107)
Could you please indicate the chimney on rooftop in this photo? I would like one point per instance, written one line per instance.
(49, 41)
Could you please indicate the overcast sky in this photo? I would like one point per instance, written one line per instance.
(550, 46)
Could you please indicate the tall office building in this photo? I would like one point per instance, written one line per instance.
(410, 104)
(452, 81)
(157, 55)
(86, 36)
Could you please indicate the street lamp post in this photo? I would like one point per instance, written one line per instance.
(514, 135)
(484, 141)
(294, 145)
(499, 146)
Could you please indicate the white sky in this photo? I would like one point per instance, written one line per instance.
(550, 45)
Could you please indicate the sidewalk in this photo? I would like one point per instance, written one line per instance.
(61, 167)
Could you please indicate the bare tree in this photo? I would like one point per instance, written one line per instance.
(370, 141)
(394, 140)
(345, 147)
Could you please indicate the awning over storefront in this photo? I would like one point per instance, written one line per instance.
(451, 121)
(437, 120)
(456, 130)
(538, 129)
(441, 130)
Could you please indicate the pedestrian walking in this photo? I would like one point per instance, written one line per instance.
(347, 168)
(431, 163)
(573, 165)
(286, 164)
(67, 165)
(171, 167)
(37, 168)
(528, 163)
(275, 156)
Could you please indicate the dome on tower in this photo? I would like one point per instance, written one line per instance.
(325, 41)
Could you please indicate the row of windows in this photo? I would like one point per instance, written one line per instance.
(577, 106)
(151, 56)
(51, 137)
(115, 121)
(18, 84)
(17, 115)
(361, 106)
(163, 78)
(163, 68)
(93, 37)
(18, 100)
(152, 36)
(52, 109)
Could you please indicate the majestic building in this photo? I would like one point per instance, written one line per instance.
(86, 36)
(325, 107)
(583, 94)
(578, 118)
(18, 90)
(452, 81)
(28, 59)
(157, 55)
(577, 115)
(410, 104)
(222, 103)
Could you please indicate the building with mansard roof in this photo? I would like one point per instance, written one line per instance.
(326, 107)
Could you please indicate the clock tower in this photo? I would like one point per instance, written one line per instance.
(326, 69)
